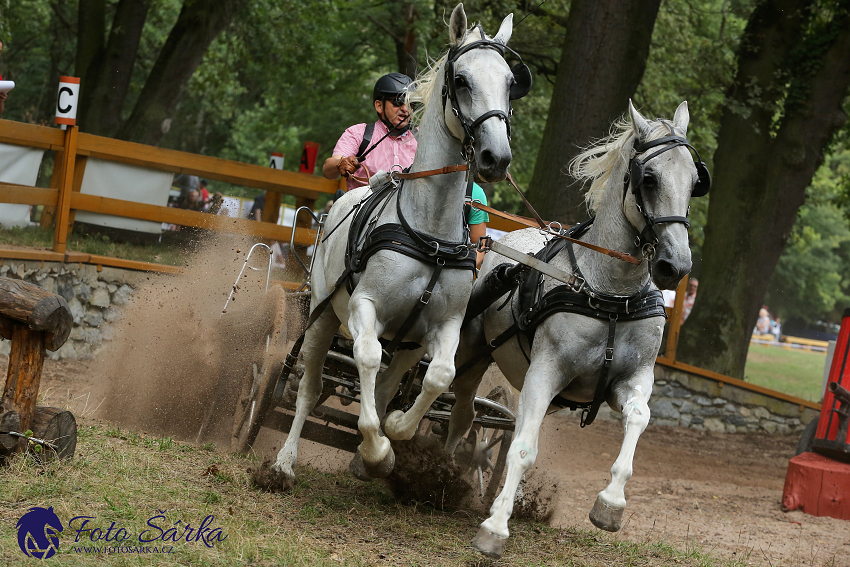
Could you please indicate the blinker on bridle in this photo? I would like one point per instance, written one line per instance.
(647, 239)
(520, 88)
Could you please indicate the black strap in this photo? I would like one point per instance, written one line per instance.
(589, 413)
(481, 354)
(367, 137)
(417, 309)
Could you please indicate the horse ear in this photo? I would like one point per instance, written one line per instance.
(681, 118)
(505, 30)
(457, 25)
(639, 124)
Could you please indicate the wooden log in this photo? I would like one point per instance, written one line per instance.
(9, 421)
(37, 309)
(26, 360)
(55, 426)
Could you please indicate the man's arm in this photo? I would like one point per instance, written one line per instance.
(476, 231)
(338, 165)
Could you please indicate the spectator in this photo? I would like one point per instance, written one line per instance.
(257, 209)
(763, 323)
(205, 194)
(215, 205)
(185, 183)
(690, 297)
(776, 329)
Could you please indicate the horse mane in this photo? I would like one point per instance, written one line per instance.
(422, 89)
(596, 162)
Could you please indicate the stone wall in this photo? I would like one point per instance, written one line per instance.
(95, 298)
(682, 399)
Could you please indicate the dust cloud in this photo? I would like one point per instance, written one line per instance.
(177, 363)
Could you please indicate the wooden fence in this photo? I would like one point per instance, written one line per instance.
(63, 198)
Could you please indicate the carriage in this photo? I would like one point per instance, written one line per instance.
(578, 327)
(267, 395)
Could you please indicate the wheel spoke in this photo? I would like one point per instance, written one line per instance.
(495, 441)
(481, 481)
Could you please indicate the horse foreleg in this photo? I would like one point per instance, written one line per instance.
(441, 371)
(375, 450)
(534, 399)
(317, 341)
(607, 512)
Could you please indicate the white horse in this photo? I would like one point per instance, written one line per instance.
(392, 283)
(569, 349)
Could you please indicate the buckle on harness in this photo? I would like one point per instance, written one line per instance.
(426, 297)
(609, 354)
(436, 246)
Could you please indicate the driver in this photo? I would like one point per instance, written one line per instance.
(395, 151)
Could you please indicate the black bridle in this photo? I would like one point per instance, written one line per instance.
(647, 239)
(519, 88)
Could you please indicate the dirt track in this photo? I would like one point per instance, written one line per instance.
(717, 491)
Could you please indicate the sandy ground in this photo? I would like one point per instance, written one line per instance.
(717, 491)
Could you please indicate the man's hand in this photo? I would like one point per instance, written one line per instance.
(348, 165)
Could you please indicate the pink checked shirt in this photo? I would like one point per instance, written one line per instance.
(390, 152)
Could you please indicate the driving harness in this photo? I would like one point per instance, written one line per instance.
(534, 307)
(366, 237)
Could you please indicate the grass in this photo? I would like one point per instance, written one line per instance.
(795, 372)
(99, 244)
(133, 479)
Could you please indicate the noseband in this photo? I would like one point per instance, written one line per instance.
(522, 80)
(647, 239)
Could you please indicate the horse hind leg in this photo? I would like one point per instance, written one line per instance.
(607, 512)
(317, 341)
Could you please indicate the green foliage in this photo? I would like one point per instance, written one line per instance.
(812, 278)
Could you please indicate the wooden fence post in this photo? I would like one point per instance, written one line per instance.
(34, 319)
(676, 319)
(66, 186)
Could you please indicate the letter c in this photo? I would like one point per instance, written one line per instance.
(67, 109)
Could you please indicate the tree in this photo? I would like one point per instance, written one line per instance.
(781, 112)
(107, 67)
(602, 62)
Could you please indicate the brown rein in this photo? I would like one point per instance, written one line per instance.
(538, 221)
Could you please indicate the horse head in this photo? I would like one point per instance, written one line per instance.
(478, 86)
(662, 176)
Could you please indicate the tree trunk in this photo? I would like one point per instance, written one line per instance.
(198, 24)
(792, 64)
(91, 26)
(58, 427)
(407, 45)
(602, 63)
(104, 93)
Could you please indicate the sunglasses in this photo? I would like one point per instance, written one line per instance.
(397, 102)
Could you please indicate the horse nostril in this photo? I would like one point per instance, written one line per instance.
(665, 271)
(488, 160)
(493, 165)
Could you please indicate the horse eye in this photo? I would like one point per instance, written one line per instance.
(649, 180)
(460, 82)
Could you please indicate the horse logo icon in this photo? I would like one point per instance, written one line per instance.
(38, 532)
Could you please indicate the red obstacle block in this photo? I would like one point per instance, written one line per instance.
(817, 485)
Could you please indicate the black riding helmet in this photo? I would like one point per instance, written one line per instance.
(390, 87)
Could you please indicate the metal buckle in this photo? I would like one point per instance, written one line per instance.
(609, 354)
(560, 227)
(484, 243)
(426, 296)
(584, 413)
(436, 248)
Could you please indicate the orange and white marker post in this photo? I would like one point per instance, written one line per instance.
(276, 161)
(67, 101)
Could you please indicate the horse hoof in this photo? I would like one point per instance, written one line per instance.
(606, 517)
(489, 544)
(271, 480)
(382, 468)
(391, 426)
(357, 468)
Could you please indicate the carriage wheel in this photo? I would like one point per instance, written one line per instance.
(489, 449)
(258, 389)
